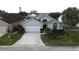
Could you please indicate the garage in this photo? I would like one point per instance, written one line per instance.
(3, 27)
(32, 26)
(32, 29)
(3, 30)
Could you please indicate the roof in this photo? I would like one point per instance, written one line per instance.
(2, 23)
(53, 21)
(42, 16)
(11, 17)
(32, 22)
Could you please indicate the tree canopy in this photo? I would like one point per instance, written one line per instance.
(2, 11)
(55, 15)
(23, 13)
(70, 16)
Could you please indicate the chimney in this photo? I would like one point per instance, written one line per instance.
(19, 9)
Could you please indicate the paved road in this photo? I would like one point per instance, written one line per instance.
(47, 48)
(30, 39)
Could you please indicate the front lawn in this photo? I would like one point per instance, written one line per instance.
(71, 40)
(5, 40)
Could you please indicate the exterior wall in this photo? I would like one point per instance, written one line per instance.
(3, 29)
(50, 26)
(59, 25)
(32, 29)
(31, 22)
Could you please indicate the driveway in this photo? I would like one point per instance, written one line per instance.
(30, 39)
(1, 34)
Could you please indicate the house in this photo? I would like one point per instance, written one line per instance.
(8, 21)
(3, 26)
(34, 23)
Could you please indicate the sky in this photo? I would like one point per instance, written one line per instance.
(43, 6)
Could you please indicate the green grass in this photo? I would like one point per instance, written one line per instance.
(5, 40)
(71, 40)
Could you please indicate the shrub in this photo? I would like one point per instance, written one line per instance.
(41, 30)
(18, 28)
(54, 33)
(21, 29)
(44, 26)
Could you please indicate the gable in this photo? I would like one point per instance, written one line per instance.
(41, 17)
(48, 18)
(54, 21)
(2, 23)
(32, 22)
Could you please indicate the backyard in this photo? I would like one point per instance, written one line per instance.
(71, 40)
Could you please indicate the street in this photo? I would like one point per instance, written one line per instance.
(47, 48)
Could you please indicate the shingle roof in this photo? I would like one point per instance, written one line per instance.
(11, 17)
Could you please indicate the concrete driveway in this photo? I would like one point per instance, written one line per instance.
(1, 34)
(30, 39)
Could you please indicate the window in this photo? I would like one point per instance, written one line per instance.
(44, 20)
(55, 26)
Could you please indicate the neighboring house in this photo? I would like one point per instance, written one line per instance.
(34, 23)
(8, 21)
(3, 26)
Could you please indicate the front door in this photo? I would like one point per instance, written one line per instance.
(44, 26)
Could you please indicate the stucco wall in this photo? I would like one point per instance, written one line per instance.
(59, 25)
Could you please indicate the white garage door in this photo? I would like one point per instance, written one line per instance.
(3, 29)
(32, 29)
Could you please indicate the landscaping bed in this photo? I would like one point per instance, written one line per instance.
(71, 40)
(5, 40)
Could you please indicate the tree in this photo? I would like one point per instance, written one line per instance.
(2, 11)
(23, 13)
(70, 17)
(55, 15)
(34, 12)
